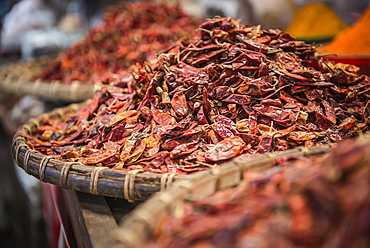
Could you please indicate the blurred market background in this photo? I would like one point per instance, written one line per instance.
(32, 28)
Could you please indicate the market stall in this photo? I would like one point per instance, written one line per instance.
(156, 109)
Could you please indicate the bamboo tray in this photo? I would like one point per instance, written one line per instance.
(135, 228)
(131, 185)
(19, 79)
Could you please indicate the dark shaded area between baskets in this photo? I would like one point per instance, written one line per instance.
(18, 228)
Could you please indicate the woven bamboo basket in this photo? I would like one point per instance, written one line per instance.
(19, 79)
(135, 228)
(131, 185)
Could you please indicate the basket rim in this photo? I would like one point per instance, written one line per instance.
(131, 185)
(66, 174)
(134, 228)
(17, 78)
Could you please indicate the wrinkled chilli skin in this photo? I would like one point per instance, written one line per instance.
(231, 91)
(300, 202)
(128, 32)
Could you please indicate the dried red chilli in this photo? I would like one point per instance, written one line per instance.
(222, 95)
(300, 202)
(129, 32)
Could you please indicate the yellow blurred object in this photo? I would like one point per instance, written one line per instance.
(355, 39)
(315, 20)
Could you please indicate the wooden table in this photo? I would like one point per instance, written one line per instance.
(85, 220)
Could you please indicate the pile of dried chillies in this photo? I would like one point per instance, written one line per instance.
(320, 202)
(235, 90)
(129, 32)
